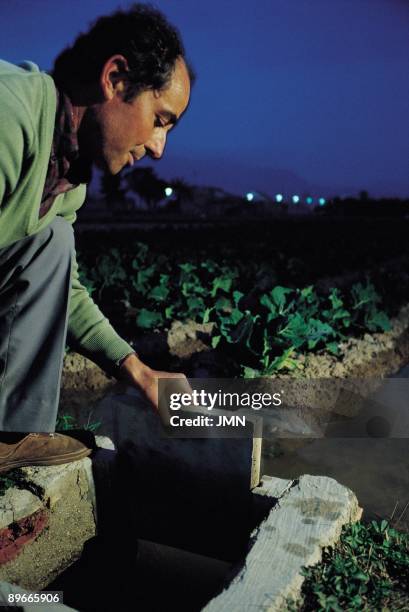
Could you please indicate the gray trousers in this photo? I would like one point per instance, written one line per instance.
(35, 275)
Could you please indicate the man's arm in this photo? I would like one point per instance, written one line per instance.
(138, 374)
(91, 334)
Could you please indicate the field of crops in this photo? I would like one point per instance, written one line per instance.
(270, 292)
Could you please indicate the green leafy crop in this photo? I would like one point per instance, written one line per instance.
(262, 326)
(367, 570)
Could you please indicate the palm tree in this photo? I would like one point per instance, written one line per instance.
(111, 190)
(183, 190)
(184, 194)
(144, 182)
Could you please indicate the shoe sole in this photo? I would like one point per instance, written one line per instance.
(58, 460)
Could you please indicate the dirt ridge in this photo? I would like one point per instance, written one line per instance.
(373, 356)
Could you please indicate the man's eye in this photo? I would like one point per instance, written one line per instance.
(159, 122)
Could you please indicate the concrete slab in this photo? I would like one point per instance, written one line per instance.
(48, 479)
(308, 516)
(15, 504)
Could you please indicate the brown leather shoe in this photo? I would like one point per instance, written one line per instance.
(41, 449)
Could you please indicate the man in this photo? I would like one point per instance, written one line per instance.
(112, 98)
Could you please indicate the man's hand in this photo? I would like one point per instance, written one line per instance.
(139, 375)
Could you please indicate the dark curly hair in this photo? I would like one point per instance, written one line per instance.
(142, 34)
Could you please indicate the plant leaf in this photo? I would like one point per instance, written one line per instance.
(148, 319)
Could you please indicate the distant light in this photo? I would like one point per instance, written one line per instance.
(322, 201)
(250, 196)
(279, 197)
(309, 200)
(168, 191)
(296, 199)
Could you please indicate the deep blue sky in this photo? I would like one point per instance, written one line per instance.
(291, 94)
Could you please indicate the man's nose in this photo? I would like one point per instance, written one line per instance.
(156, 145)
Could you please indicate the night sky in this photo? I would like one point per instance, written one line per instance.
(292, 95)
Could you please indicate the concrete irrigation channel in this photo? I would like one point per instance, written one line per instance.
(207, 539)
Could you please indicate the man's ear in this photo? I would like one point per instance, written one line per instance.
(113, 76)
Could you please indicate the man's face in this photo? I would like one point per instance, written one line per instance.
(123, 132)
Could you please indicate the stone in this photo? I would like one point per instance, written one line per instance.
(15, 504)
(48, 479)
(308, 516)
(104, 442)
(49, 520)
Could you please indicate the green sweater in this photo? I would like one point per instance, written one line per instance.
(27, 114)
